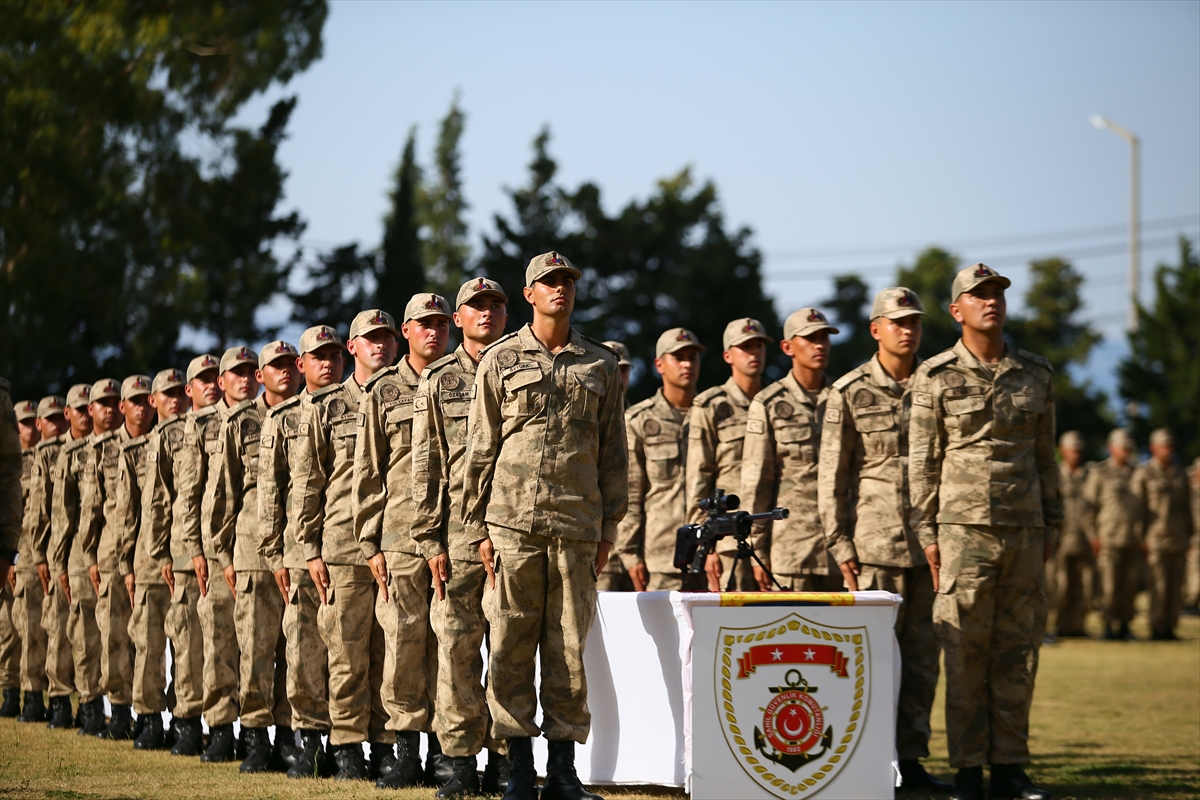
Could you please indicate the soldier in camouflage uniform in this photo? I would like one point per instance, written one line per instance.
(716, 434)
(171, 526)
(382, 522)
(614, 578)
(1113, 513)
(56, 606)
(1074, 559)
(544, 488)
(985, 506)
(346, 618)
(1192, 598)
(280, 458)
(862, 494)
(32, 576)
(10, 637)
(779, 461)
(439, 442)
(1161, 488)
(10, 484)
(656, 432)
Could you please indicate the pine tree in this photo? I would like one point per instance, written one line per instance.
(931, 277)
(401, 268)
(440, 209)
(849, 308)
(339, 287)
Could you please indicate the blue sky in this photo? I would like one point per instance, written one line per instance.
(848, 136)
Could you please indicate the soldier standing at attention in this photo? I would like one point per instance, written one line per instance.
(716, 434)
(344, 583)
(779, 462)
(56, 610)
(986, 507)
(383, 511)
(10, 485)
(440, 413)
(32, 577)
(1113, 514)
(1162, 491)
(171, 525)
(10, 637)
(320, 362)
(863, 498)
(1074, 557)
(656, 431)
(544, 489)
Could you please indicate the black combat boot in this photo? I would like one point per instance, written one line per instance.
(968, 784)
(438, 769)
(407, 770)
(258, 750)
(171, 734)
(152, 736)
(1009, 782)
(382, 760)
(522, 777)
(189, 738)
(11, 706)
(495, 774)
(914, 778)
(350, 763)
(286, 751)
(464, 780)
(94, 723)
(35, 708)
(120, 727)
(221, 747)
(310, 758)
(1125, 634)
(561, 781)
(60, 713)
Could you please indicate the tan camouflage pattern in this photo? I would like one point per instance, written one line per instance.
(147, 630)
(28, 599)
(279, 458)
(982, 444)
(546, 447)
(60, 658)
(350, 629)
(25, 562)
(133, 466)
(1192, 595)
(307, 657)
(862, 491)
(613, 578)
(200, 433)
(461, 717)
(65, 548)
(113, 610)
(1074, 563)
(222, 653)
(1166, 525)
(328, 429)
(779, 468)
(39, 505)
(183, 628)
(10, 642)
(657, 435)
(410, 650)
(229, 514)
(1112, 512)
(159, 496)
(84, 634)
(716, 434)
(11, 505)
(258, 616)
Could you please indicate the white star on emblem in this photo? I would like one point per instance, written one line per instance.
(810, 654)
(777, 654)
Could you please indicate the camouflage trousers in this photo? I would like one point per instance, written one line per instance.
(258, 617)
(113, 610)
(147, 631)
(543, 604)
(1192, 594)
(221, 651)
(461, 712)
(410, 649)
(990, 616)
(1071, 591)
(60, 658)
(85, 639)
(1167, 574)
(356, 655)
(1120, 571)
(675, 582)
(614, 578)
(184, 630)
(810, 582)
(918, 651)
(28, 599)
(10, 641)
(307, 656)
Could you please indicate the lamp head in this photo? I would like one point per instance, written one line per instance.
(1098, 122)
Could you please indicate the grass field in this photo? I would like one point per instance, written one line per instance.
(1110, 720)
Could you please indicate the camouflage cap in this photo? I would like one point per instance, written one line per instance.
(743, 330)
(896, 302)
(27, 409)
(1071, 440)
(806, 322)
(621, 350)
(426, 304)
(1119, 437)
(1162, 436)
(79, 395)
(477, 286)
(135, 385)
(104, 388)
(673, 340)
(201, 363)
(317, 337)
(51, 405)
(372, 320)
(235, 357)
(275, 350)
(167, 379)
(541, 266)
(972, 276)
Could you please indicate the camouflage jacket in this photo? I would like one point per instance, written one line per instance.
(159, 495)
(981, 444)
(1165, 518)
(440, 415)
(39, 507)
(1111, 507)
(11, 506)
(99, 524)
(191, 460)
(716, 434)
(779, 468)
(65, 551)
(132, 556)
(279, 458)
(657, 435)
(383, 462)
(862, 488)
(1077, 532)
(229, 515)
(546, 441)
(25, 562)
(324, 491)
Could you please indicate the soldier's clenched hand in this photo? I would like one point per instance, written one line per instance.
(934, 557)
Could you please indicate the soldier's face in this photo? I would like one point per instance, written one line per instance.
(1119, 454)
(51, 426)
(427, 337)
(982, 309)
(322, 367)
(105, 414)
(204, 389)
(552, 295)
(28, 431)
(1072, 457)
(482, 318)
(170, 402)
(748, 358)
(80, 420)
(899, 337)
(809, 352)
(239, 383)
(680, 369)
(280, 377)
(1162, 453)
(375, 349)
(137, 411)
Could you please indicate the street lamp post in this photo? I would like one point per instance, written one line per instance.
(1101, 123)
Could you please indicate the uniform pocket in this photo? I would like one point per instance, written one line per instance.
(957, 406)
(662, 461)
(179, 596)
(522, 395)
(586, 391)
(506, 597)
(1030, 403)
(873, 423)
(244, 582)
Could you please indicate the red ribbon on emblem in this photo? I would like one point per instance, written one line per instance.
(768, 654)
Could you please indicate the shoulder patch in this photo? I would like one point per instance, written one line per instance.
(507, 358)
(420, 403)
(755, 426)
(1035, 358)
(833, 416)
(923, 399)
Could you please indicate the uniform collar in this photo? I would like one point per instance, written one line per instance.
(529, 342)
(465, 362)
(736, 394)
(883, 380)
(350, 385)
(1008, 363)
(406, 373)
(664, 407)
(803, 395)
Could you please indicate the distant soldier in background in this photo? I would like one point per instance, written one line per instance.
(1192, 598)
(1160, 486)
(623, 361)
(1111, 503)
(10, 636)
(1074, 560)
